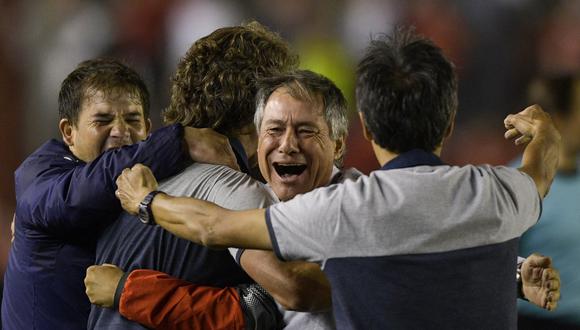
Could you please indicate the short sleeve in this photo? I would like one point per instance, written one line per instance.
(304, 228)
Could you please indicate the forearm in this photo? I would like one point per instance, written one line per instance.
(295, 285)
(209, 224)
(159, 301)
(68, 194)
(540, 161)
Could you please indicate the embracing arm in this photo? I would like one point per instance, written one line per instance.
(296, 285)
(211, 225)
(196, 220)
(59, 192)
(160, 301)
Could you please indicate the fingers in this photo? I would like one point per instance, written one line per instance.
(230, 158)
(552, 299)
(525, 124)
(551, 284)
(538, 260)
(551, 279)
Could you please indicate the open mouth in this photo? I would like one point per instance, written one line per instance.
(289, 169)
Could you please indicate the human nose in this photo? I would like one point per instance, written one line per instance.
(119, 129)
(289, 142)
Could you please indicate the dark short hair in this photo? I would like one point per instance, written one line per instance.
(307, 86)
(554, 93)
(215, 84)
(106, 75)
(407, 91)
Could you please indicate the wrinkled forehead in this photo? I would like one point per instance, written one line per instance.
(117, 94)
(308, 103)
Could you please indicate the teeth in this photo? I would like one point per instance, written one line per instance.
(289, 169)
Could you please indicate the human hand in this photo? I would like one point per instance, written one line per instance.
(208, 146)
(101, 283)
(133, 185)
(540, 282)
(532, 122)
(534, 128)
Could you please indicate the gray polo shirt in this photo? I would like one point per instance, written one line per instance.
(382, 234)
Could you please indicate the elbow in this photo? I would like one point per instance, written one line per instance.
(295, 302)
(303, 298)
(209, 235)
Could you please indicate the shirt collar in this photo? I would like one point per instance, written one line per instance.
(411, 158)
(241, 156)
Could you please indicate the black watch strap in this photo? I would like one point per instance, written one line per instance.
(145, 212)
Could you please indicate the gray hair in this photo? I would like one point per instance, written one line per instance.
(307, 86)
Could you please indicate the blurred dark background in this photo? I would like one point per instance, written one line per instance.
(497, 46)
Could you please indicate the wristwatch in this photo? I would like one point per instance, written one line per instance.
(520, 281)
(145, 213)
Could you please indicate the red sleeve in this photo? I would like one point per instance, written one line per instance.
(159, 301)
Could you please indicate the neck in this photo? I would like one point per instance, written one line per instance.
(384, 155)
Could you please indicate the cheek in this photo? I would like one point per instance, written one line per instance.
(138, 134)
(263, 152)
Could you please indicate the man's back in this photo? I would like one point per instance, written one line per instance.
(438, 244)
(132, 245)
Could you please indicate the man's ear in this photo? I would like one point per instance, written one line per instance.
(66, 130)
(147, 126)
(340, 145)
(367, 134)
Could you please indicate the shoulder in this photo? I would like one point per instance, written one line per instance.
(221, 185)
(49, 160)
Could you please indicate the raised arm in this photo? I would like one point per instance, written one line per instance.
(198, 221)
(534, 127)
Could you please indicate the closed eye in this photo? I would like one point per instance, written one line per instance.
(275, 130)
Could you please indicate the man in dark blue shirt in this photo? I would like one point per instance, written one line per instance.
(65, 192)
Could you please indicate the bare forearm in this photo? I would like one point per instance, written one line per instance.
(296, 285)
(209, 224)
(534, 127)
(540, 161)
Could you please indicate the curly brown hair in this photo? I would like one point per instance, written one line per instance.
(216, 81)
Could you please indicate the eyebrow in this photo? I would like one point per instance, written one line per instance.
(283, 122)
(134, 114)
(102, 115)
